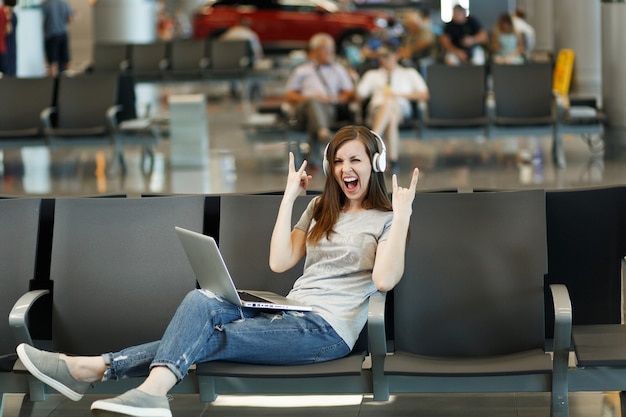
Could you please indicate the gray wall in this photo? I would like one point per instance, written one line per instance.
(487, 11)
(577, 27)
(124, 21)
(540, 14)
(613, 16)
(81, 33)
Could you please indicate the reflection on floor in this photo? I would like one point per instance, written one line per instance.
(428, 405)
(236, 164)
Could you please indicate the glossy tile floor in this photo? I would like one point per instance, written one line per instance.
(426, 405)
(237, 165)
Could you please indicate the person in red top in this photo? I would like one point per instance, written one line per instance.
(10, 59)
(4, 29)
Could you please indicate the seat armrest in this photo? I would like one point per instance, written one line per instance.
(562, 317)
(490, 105)
(423, 116)
(18, 317)
(134, 125)
(557, 102)
(562, 105)
(288, 114)
(378, 344)
(422, 109)
(45, 117)
(376, 323)
(112, 116)
(562, 343)
(245, 62)
(146, 110)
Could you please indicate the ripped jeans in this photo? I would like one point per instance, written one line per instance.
(207, 327)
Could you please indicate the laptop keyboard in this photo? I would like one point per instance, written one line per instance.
(246, 296)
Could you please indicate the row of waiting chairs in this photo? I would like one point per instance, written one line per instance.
(71, 111)
(473, 324)
(504, 100)
(463, 103)
(488, 102)
(190, 58)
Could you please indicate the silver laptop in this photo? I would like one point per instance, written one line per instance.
(212, 274)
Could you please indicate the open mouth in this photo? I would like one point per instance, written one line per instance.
(351, 183)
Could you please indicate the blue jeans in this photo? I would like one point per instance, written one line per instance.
(206, 327)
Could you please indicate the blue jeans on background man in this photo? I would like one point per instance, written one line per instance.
(206, 327)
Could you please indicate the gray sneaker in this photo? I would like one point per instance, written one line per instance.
(133, 403)
(51, 370)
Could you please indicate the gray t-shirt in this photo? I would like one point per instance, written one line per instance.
(337, 278)
(56, 15)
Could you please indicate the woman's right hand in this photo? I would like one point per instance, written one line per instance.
(402, 198)
(297, 181)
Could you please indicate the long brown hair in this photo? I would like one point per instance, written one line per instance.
(333, 200)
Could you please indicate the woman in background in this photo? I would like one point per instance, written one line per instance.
(390, 88)
(507, 45)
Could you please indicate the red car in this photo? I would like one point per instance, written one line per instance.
(288, 24)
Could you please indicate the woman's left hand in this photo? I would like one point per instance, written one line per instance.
(402, 198)
(390, 255)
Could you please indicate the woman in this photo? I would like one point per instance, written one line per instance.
(391, 89)
(5, 29)
(10, 66)
(10, 39)
(354, 241)
(507, 44)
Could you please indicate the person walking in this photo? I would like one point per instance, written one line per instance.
(57, 15)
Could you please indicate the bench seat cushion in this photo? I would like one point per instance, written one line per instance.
(350, 365)
(600, 345)
(527, 362)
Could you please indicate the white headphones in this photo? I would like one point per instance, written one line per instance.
(379, 160)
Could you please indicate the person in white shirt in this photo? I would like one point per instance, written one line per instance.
(520, 24)
(390, 88)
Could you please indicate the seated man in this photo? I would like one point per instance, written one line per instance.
(463, 39)
(317, 89)
(418, 40)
